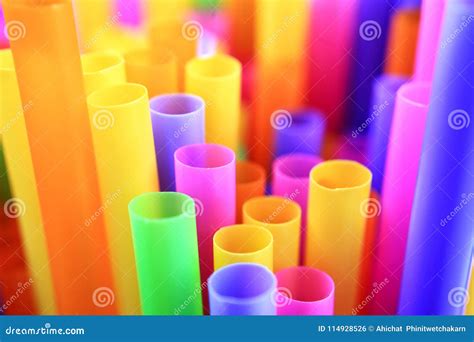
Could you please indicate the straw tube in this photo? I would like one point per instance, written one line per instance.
(251, 179)
(282, 217)
(337, 210)
(102, 69)
(206, 172)
(178, 120)
(243, 243)
(242, 289)
(403, 157)
(217, 80)
(165, 240)
(49, 74)
(304, 291)
(156, 70)
(431, 285)
(23, 185)
(126, 167)
(291, 176)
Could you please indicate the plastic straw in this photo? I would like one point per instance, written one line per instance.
(92, 18)
(282, 217)
(102, 69)
(403, 156)
(428, 39)
(332, 27)
(402, 39)
(291, 175)
(24, 203)
(440, 244)
(178, 120)
(337, 210)
(206, 172)
(470, 304)
(242, 289)
(302, 131)
(165, 240)
(49, 75)
(243, 243)
(242, 27)
(217, 80)
(383, 100)
(368, 56)
(155, 70)
(304, 291)
(251, 179)
(126, 167)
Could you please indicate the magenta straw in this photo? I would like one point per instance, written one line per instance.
(428, 39)
(291, 179)
(304, 291)
(206, 172)
(401, 170)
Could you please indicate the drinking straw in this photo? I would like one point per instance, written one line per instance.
(94, 18)
(178, 120)
(24, 203)
(368, 56)
(291, 175)
(338, 206)
(217, 80)
(164, 9)
(332, 28)
(428, 39)
(131, 13)
(243, 243)
(206, 172)
(156, 70)
(304, 291)
(102, 69)
(379, 124)
(62, 153)
(470, 301)
(241, 16)
(164, 223)
(121, 127)
(282, 217)
(280, 71)
(403, 157)
(4, 183)
(251, 180)
(438, 227)
(402, 39)
(302, 131)
(242, 289)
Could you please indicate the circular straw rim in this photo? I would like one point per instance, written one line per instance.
(278, 165)
(156, 194)
(207, 145)
(257, 167)
(406, 91)
(99, 93)
(118, 61)
(238, 300)
(221, 231)
(291, 203)
(327, 163)
(168, 96)
(233, 63)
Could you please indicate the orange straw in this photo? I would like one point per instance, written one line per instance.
(250, 183)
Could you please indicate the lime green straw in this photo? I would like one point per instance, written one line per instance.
(166, 253)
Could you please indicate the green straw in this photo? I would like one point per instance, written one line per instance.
(166, 253)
